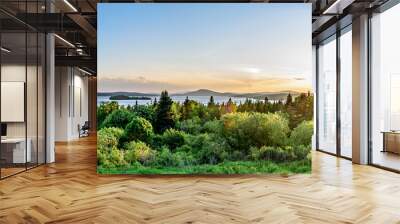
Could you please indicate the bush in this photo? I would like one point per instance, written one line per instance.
(214, 152)
(276, 154)
(214, 126)
(280, 154)
(243, 130)
(302, 134)
(138, 129)
(145, 111)
(157, 141)
(173, 138)
(184, 159)
(118, 118)
(111, 158)
(101, 157)
(130, 156)
(208, 148)
(108, 138)
(139, 151)
(302, 151)
(104, 110)
(116, 158)
(179, 159)
(191, 126)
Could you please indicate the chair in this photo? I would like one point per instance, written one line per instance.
(84, 130)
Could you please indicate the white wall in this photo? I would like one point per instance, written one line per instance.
(16, 73)
(33, 126)
(71, 102)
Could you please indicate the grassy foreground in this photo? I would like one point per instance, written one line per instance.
(241, 167)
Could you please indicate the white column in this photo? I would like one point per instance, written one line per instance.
(360, 90)
(50, 98)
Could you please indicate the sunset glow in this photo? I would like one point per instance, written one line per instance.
(222, 47)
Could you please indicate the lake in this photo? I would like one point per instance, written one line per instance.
(202, 99)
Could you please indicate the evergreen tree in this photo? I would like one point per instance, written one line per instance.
(163, 113)
(289, 100)
(230, 106)
(186, 109)
(155, 101)
(211, 103)
(186, 102)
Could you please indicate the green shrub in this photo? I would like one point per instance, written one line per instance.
(275, 154)
(108, 138)
(111, 158)
(214, 152)
(214, 126)
(237, 155)
(118, 118)
(184, 148)
(165, 158)
(130, 156)
(243, 130)
(184, 159)
(280, 154)
(302, 134)
(208, 148)
(138, 129)
(148, 112)
(157, 142)
(116, 158)
(101, 157)
(302, 151)
(103, 110)
(191, 126)
(139, 151)
(173, 138)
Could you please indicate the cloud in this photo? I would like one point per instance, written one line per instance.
(225, 82)
(251, 70)
(138, 84)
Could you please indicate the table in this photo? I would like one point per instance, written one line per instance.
(13, 150)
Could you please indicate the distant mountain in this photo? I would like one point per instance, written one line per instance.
(203, 92)
(281, 95)
(126, 94)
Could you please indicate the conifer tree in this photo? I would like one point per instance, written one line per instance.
(211, 103)
(163, 113)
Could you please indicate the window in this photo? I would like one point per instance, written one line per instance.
(327, 96)
(385, 89)
(22, 88)
(346, 93)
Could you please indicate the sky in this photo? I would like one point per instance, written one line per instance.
(222, 47)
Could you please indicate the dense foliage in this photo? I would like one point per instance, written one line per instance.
(169, 137)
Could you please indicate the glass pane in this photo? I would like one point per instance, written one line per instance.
(31, 98)
(327, 97)
(346, 94)
(41, 98)
(13, 86)
(386, 89)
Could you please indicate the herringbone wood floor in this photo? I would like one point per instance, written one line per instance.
(70, 191)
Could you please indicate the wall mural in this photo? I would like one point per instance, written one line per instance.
(204, 88)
